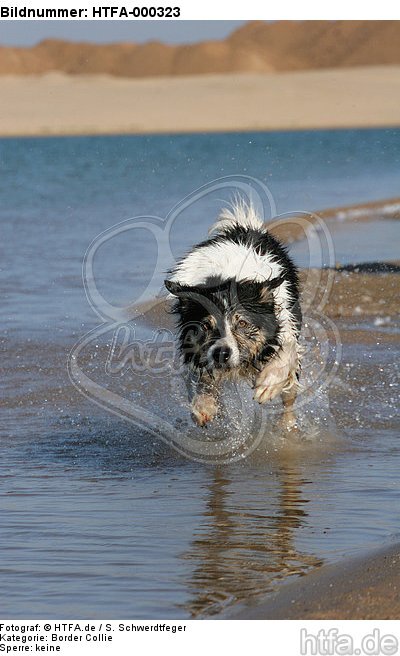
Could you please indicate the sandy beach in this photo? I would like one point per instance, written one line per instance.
(362, 588)
(59, 104)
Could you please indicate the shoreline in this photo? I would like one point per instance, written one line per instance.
(57, 104)
(362, 587)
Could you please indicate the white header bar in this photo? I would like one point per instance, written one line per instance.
(134, 10)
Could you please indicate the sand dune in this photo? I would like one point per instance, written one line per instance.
(256, 47)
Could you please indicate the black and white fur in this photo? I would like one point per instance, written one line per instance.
(239, 316)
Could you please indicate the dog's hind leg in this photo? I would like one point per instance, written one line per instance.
(288, 399)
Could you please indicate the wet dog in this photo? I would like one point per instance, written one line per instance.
(237, 304)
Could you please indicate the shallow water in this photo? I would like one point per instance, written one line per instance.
(353, 242)
(99, 518)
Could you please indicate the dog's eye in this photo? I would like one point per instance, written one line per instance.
(206, 326)
(242, 323)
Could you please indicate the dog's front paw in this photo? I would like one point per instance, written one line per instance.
(278, 374)
(204, 407)
(272, 380)
(269, 384)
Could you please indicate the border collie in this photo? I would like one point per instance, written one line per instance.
(239, 317)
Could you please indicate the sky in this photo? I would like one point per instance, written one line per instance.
(27, 33)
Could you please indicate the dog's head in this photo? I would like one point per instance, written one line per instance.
(227, 325)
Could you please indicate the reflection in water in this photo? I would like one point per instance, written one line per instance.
(245, 547)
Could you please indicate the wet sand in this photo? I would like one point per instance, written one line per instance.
(58, 104)
(364, 588)
(352, 294)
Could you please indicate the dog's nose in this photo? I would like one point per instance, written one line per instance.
(221, 354)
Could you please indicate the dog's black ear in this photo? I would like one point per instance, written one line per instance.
(275, 282)
(266, 288)
(174, 288)
(187, 294)
(183, 291)
(251, 291)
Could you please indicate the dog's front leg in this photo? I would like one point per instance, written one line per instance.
(204, 400)
(279, 373)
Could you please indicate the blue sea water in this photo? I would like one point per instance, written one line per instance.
(58, 194)
(97, 518)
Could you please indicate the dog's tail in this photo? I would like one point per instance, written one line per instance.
(240, 213)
